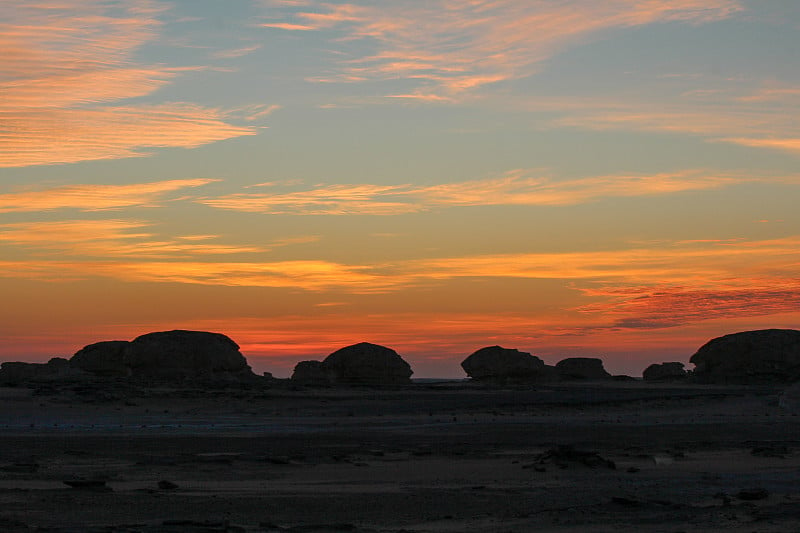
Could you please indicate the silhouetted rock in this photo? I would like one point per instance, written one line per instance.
(367, 363)
(167, 355)
(500, 365)
(13, 373)
(106, 358)
(762, 356)
(665, 372)
(311, 373)
(362, 363)
(180, 353)
(581, 368)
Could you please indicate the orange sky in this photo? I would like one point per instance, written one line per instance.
(613, 178)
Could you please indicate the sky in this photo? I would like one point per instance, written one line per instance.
(597, 178)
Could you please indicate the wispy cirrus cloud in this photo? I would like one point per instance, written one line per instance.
(63, 65)
(451, 48)
(623, 274)
(516, 187)
(759, 118)
(96, 197)
(110, 238)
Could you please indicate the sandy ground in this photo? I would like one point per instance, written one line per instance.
(427, 458)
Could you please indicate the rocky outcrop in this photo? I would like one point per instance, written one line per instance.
(14, 373)
(166, 355)
(665, 372)
(311, 373)
(581, 368)
(762, 356)
(182, 353)
(367, 363)
(495, 364)
(362, 363)
(106, 358)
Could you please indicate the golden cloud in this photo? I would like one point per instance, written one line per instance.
(61, 63)
(514, 188)
(453, 48)
(95, 197)
(109, 238)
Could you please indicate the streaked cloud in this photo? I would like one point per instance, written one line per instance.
(759, 122)
(62, 64)
(451, 48)
(110, 238)
(791, 145)
(662, 306)
(96, 197)
(701, 265)
(514, 188)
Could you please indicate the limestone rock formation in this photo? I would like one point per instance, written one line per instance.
(105, 358)
(168, 355)
(665, 372)
(183, 353)
(501, 365)
(362, 363)
(581, 368)
(761, 356)
(311, 373)
(367, 363)
(14, 373)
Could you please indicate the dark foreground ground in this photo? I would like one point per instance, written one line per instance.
(429, 458)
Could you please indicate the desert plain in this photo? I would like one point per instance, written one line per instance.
(444, 456)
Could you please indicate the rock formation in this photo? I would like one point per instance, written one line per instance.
(185, 354)
(105, 358)
(166, 355)
(581, 368)
(665, 372)
(762, 356)
(13, 373)
(496, 364)
(362, 363)
(311, 373)
(367, 363)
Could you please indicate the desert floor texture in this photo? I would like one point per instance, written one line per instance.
(434, 457)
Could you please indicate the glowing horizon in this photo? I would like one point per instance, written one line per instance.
(613, 178)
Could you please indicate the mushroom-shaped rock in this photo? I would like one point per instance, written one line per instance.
(498, 364)
(311, 373)
(106, 358)
(761, 356)
(367, 363)
(581, 368)
(181, 353)
(664, 372)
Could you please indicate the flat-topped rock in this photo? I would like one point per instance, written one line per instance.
(13, 373)
(581, 368)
